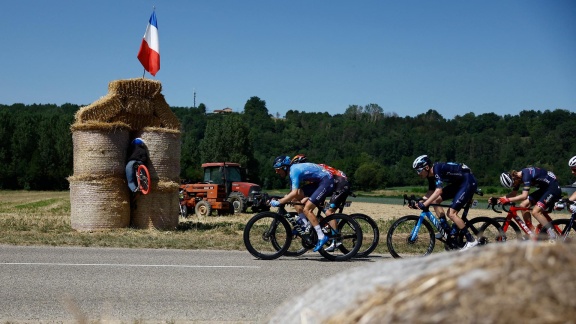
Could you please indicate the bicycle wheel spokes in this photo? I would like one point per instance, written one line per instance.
(143, 179)
(370, 235)
(486, 230)
(402, 244)
(568, 235)
(267, 236)
(345, 242)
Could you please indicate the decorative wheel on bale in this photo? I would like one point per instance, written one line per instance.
(203, 208)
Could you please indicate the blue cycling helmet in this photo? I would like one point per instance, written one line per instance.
(137, 141)
(282, 161)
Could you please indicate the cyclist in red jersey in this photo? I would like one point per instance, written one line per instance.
(544, 198)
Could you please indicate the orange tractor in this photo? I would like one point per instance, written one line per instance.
(223, 190)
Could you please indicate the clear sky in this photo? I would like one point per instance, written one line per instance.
(454, 56)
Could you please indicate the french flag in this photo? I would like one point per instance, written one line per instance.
(149, 54)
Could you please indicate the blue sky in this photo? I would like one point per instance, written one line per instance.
(501, 56)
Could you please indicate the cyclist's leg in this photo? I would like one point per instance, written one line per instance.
(131, 176)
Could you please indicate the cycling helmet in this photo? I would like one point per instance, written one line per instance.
(421, 162)
(506, 180)
(572, 162)
(282, 161)
(300, 158)
(137, 141)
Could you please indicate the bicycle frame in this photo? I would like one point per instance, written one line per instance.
(512, 215)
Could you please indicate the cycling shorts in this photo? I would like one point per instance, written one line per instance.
(460, 192)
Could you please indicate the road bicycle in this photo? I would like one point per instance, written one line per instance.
(268, 235)
(413, 236)
(566, 226)
(142, 178)
(370, 232)
(521, 230)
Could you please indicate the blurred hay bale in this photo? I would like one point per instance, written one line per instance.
(100, 148)
(164, 150)
(98, 202)
(159, 209)
(139, 87)
(162, 111)
(102, 110)
(515, 282)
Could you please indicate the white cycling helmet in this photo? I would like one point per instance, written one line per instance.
(421, 161)
(572, 162)
(506, 180)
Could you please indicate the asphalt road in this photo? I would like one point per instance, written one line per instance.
(74, 284)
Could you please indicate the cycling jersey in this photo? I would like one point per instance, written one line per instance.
(536, 177)
(334, 172)
(461, 183)
(315, 178)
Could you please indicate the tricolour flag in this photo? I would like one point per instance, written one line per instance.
(149, 53)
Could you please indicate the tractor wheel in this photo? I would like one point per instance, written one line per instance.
(238, 201)
(203, 208)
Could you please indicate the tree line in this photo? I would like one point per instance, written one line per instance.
(375, 148)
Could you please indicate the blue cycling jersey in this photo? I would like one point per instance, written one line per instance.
(538, 177)
(447, 172)
(306, 173)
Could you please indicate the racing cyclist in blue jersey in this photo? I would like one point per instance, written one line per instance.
(301, 174)
(447, 180)
(543, 199)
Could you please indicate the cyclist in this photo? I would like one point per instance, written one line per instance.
(137, 154)
(461, 187)
(572, 165)
(544, 198)
(315, 177)
(339, 195)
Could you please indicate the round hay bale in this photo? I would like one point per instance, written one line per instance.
(99, 203)
(515, 282)
(164, 151)
(159, 209)
(140, 87)
(100, 149)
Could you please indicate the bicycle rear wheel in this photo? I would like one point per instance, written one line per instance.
(370, 235)
(568, 234)
(485, 229)
(513, 232)
(398, 238)
(349, 235)
(266, 231)
(143, 179)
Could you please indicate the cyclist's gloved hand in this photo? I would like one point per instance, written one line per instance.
(573, 208)
(274, 203)
(504, 200)
(422, 206)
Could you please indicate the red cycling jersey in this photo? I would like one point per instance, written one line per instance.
(335, 172)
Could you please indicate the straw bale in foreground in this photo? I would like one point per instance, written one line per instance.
(515, 282)
(98, 203)
(159, 209)
(137, 87)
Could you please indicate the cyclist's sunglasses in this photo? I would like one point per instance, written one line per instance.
(419, 170)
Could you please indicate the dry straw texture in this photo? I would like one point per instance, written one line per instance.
(139, 87)
(158, 209)
(164, 148)
(98, 203)
(515, 282)
(100, 149)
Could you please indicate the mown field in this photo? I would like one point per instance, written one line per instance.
(43, 218)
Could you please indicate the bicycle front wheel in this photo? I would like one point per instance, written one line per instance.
(568, 234)
(143, 179)
(348, 236)
(513, 232)
(266, 231)
(370, 235)
(485, 229)
(402, 244)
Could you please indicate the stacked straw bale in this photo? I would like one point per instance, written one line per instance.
(102, 132)
(514, 282)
